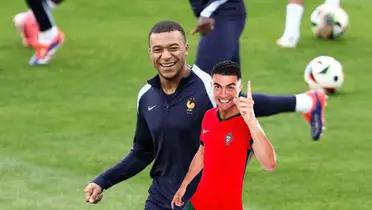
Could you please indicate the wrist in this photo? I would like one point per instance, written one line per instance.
(183, 186)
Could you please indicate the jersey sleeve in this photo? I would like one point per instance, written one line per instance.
(140, 156)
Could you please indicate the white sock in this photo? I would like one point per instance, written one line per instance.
(333, 3)
(304, 103)
(293, 21)
(46, 37)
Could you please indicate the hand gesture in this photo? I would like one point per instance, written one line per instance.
(204, 25)
(177, 198)
(245, 105)
(93, 193)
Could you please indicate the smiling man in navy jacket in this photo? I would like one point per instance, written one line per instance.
(170, 108)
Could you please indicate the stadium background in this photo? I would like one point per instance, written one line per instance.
(62, 124)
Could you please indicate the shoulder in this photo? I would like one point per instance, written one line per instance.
(143, 91)
(201, 74)
(205, 81)
(211, 113)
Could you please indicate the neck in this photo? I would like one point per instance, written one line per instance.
(226, 114)
(169, 86)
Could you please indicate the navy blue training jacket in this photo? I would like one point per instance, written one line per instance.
(167, 133)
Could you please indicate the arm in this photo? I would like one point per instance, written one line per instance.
(196, 6)
(211, 7)
(205, 22)
(263, 150)
(195, 167)
(140, 156)
(262, 147)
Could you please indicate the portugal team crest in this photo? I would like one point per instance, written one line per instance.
(190, 105)
(228, 139)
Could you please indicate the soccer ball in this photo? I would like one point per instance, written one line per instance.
(329, 22)
(324, 72)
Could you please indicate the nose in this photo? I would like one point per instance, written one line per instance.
(223, 92)
(166, 54)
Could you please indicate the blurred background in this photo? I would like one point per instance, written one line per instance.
(62, 124)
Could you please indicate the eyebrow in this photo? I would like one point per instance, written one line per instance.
(171, 45)
(233, 83)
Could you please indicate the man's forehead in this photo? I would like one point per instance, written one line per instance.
(218, 78)
(226, 82)
(167, 37)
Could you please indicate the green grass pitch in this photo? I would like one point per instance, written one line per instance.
(62, 124)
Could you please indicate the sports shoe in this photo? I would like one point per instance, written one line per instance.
(316, 116)
(43, 53)
(28, 28)
(287, 42)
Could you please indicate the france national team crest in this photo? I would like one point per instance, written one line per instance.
(228, 139)
(190, 105)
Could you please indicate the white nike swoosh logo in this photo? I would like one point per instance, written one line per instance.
(149, 108)
(205, 131)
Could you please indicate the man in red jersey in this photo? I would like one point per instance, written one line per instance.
(230, 133)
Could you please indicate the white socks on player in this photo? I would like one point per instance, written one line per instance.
(304, 102)
(293, 21)
(333, 3)
(46, 37)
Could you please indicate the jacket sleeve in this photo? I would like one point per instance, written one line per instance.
(196, 6)
(205, 9)
(140, 156)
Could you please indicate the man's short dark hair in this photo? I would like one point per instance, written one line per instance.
(227, 68)
(167, 26)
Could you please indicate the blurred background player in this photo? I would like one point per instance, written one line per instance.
(294, 12)
(39, 31)
(218, 20)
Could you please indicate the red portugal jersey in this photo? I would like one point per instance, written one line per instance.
(227, 144)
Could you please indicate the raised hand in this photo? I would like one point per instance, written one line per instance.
(245, 105)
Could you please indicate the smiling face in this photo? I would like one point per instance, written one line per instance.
(168, 51)
(225, 89)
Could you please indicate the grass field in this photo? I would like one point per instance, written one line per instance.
(62, 124)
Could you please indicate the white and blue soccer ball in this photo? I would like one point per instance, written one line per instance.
(324, 72)
(329, 22)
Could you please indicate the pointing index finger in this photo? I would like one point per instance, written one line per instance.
(249, 90)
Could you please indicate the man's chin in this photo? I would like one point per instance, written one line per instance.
(225, 106)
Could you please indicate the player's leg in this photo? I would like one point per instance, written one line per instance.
(291, 34)
(27, 25)
(267, 105)
(236, 53)
(312, 104)
(50, 37)
(219, 44)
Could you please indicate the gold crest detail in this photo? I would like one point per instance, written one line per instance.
(190, 105)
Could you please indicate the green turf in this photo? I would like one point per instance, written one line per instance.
(62, 124)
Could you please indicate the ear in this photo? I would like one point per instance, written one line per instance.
(187, 48)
